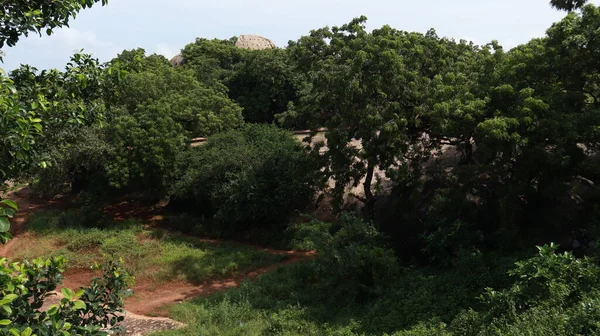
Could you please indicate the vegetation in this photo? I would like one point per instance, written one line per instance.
(247, 179)
(467, 157)
(148, 254)
(25, 286)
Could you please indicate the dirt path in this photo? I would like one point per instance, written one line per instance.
(26, 208)
(152, 300)
(148, 299)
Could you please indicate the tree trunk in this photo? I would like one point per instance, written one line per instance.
(468, 158)
(369, 199)
(368, 182)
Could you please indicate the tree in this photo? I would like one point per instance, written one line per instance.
(145, 146)
(25, 286)
(366, 87)
(200, 109)
(568, 5)
(459, 98)
(263, 84)
(213, 60)
(252, 178)
(19, 129)
(20, 17)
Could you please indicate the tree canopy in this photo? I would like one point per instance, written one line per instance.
(19, 18)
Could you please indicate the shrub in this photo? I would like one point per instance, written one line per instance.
(308, 236)
(26, 286)
(553, 294)
(244, 180)
(355, 262)
(146, 144)
(560, 279)
(79, 164)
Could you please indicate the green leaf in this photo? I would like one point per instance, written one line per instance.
(10, 203)
(4, 225)
(5, 322)
(5, 212)
(79, 305)
(27, 332)
(11, 297)
(52, 310)
(67, 293)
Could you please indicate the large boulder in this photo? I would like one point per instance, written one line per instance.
(254, 42)
(177, 60)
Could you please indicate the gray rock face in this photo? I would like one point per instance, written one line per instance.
(177, 60)
(254, 42)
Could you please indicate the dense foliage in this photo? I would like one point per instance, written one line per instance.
(26, 286)
(247, 179)
(459, 157)
(19, 18)
(262, 82)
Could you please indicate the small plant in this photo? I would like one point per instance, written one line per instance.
(92, 311)
(7, 211)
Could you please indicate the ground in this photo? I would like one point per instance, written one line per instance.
(169, 267)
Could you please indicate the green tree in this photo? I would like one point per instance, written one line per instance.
(364, 86)
(213, 60)
(19, 129)
(200, 109)
(252, 178)
(263, 84)
(145, 146)
(568, 5)
(25, 286)
(459, 98)
(19, 17)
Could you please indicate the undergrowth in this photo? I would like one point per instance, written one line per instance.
(156, 255)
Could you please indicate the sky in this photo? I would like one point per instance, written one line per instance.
(165, 27)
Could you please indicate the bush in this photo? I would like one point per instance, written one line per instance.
(250, 179)
(559, 279)
(355, 262)
(146, 144)
(308, 236)
(553, 294)
(25, 286)
(79, 164)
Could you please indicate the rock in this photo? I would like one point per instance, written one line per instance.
(178, 60)
(136, 325)
(254, 42)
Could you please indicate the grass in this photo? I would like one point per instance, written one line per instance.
(290, 302)
(155, 255)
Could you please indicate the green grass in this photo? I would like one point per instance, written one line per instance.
(156, 255)
(290, 302)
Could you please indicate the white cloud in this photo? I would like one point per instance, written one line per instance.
(57, 48)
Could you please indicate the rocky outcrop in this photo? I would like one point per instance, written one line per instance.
(177, 60)
(254, 42)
